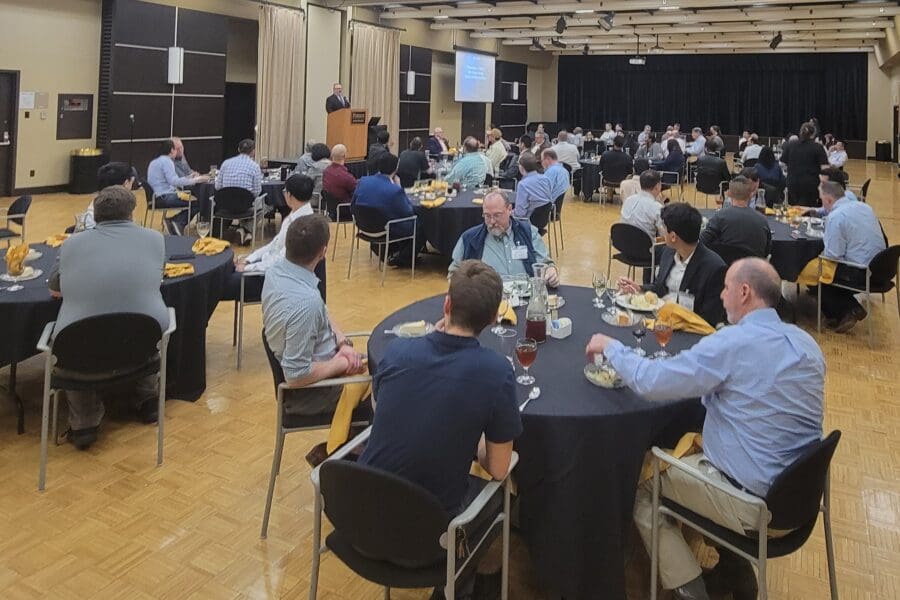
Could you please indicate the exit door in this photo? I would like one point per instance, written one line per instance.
(9, 100)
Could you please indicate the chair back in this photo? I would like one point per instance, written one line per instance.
(330, 204)
(107, 344)
(400, 522)
(708, 181)
(864, 190)
(232, 201)
(641, 165)
(884, 264)
(274, 365)
(630, 240)
(541, 217)
(567, 167)
(796, 494)
(148, 193)
(559, 206)
(19, 207)
(488, 180)
(750, 162)
(730, 254)
(368, 218)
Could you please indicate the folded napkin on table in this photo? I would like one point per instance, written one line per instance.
(433, 203)
(15, 259)
(178, 269)
(770, 212)
(478, 201)
(509, 316)
(690, 443)
(683, 319)
(209, 246)
(56, 240)
(353, 394)
(810, 273)
(185, 196)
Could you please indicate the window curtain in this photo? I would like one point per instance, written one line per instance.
(280, 94)
(375, 75)
(769, 94)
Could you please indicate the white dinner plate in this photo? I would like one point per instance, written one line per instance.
(624, 300)
(603, 376)
(27, 274)
(400, 330)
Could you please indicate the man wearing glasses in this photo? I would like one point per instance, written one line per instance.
(510, 246)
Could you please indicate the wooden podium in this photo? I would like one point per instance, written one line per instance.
(350, 127)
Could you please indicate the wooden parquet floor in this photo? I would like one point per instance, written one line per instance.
(112, 525)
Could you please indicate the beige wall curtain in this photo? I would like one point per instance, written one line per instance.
(375, 75)
(279, 93)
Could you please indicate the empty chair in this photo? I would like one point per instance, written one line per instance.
(14, 215)
(634, 248)
(237, 204)
(556, 222)
(709, 184)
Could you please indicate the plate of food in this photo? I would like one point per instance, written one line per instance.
(412, 329)
(603, 376)
(643, 302)
(619, 318)
(33, 255)
(26, 274)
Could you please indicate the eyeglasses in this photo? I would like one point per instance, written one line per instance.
(493, 216)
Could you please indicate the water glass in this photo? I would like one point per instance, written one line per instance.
(203, 228)
(600, 282)
(508, 345)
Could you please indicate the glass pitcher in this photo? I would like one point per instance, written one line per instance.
(536, 312)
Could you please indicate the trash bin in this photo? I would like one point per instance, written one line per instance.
(883, 151)
(83, 167)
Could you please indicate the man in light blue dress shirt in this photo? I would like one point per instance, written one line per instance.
(555, 172)
(760, 416)
(852, 234)
(164, 181)
(698, 146)
(533, 190)
(471, 169)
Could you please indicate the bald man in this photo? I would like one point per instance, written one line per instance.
(337, 182)
(762, 383)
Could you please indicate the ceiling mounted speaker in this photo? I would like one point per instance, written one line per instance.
(176, 66)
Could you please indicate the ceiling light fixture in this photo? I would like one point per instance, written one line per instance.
(637, 59)
(584, 11)
(441, 16)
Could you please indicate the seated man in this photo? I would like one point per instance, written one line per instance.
(509, 246)
(437, 144)
(615, 165)
(742, 230)
(712, 168)
(130, 283)
(758, 420)
(182, 166)
(853, 234)
(715, 139)
(164, 181)
(242, 171)
(114, 173)
(556, 173)
(381, 146)
(413, 164)
(838, 176)
(470, 170)
(298, 329)
(689, 273)
(379, 191)
(533, 190)
(643, 209)
(566, 151)
(752, 149)
(837, 156)
(698, 145)
(337, 181)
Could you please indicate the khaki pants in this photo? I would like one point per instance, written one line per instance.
(86, 408)
(677, 564)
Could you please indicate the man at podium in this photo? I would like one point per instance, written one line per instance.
(337, 100)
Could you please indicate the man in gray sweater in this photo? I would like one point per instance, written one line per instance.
(115, 267)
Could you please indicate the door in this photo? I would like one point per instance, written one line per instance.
(240, 115)
(9, 101)
(473, 120)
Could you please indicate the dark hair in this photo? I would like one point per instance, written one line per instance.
(166, 147)
(319, 151)
(618, 141)
(750, 173)
(299, 186)
(246, 146)
(386, 163)
(651, 138)
(113, 203)
(766, 157)
(836, 175)
(114, 173)
(716, 129)
(415, 143)
(807, 131)
(475, 293)
(683, 220)
(528, 162)
(710, 145)
(549, 153)
(650, 179)
(526, 139)
(383, 136)
(673, 146)
(305, 238)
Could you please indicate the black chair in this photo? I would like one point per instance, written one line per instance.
(709, 184)
(861, 191)
(730, 254)
(879, 273)
(634, 248)
(236, 204)
(401, 536)
(556, 221)
(98, 353)
(15, 214)
(370, 225)
(641, 165)
(794, 501)
(339, 213)
(672, 179)
(750, 162)
(151, 211)
(290, 423)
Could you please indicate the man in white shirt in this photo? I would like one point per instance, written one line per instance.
(608, 134)
(566, 152)
(752, 149)
(837, 156)
(643, 209)
(642, 136)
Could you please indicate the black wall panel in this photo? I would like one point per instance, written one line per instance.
(202, 31)
(507, 114)
(415, 108)
(144, 23)
(203, 74)
(152, 116)
(141, 70)
(199, 117)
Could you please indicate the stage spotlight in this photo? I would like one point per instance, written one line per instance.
(775, 41)
(536, 44)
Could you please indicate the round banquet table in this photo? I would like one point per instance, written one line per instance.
(581, 450)
(590, 177)
(789, 254)
(23, 314)
(444, 225)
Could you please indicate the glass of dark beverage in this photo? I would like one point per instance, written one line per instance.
(536, 329)
(526, 352)
(639, 331)
(662, 331)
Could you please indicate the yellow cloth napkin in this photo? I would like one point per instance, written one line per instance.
(209, 246)
(690, 443)
(15, 259)
(56, 240)
(509, 316)
(353, 394)
(185, 196)
(178, 269)
(433, 203)
(683, 319)
(478, 201)
(810, 273)
(770, 212)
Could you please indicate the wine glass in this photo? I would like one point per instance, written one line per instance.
(600, 282)
(499, 329)
(508, 345)
(526, 352)
(639, 331)
(203, 228)
(662, 331)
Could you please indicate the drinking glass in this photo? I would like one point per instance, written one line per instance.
(639, 331)
(662, 331)
(795, 223)
(499, 329)
(600, 282)
(526, 352)
(508, 345)
(203, 228)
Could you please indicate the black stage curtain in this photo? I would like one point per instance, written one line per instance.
(767, 94)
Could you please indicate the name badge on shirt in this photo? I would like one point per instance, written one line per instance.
(520, 252)
(686, 299)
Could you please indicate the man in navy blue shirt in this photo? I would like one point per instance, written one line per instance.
(437, 395)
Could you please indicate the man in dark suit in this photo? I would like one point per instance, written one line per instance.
(337, 100)
(711, 170)
(381, 146)
(686, 266)
(738, 231)
(437, 144)
(615, 165)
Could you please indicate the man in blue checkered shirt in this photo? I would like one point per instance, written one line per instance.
(241, 171)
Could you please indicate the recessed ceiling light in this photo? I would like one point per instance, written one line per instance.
(441, 16)
(666, 7)
(584, 11)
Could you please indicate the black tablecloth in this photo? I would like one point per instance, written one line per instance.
(590, 177)
(789, 255)
(24, 314)
(444, 225)
(581, 450)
